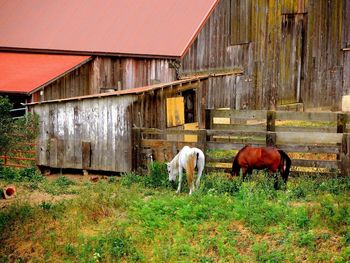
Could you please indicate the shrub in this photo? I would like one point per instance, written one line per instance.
(30, 174)
(158, 175)
(9, 174)
(6, 124)
(130, 178)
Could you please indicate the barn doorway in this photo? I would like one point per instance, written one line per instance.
(182, 114)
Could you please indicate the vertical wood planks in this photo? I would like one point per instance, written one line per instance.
(86, 134)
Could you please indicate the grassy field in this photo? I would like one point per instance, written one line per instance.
(141, 219)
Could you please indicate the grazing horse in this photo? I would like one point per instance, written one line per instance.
(270, 158)
(188, 159)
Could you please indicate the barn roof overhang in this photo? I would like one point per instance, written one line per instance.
(145, 28)
(25, 74)
(189, 82)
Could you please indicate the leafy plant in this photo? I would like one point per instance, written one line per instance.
(6, 125)
(158, 175)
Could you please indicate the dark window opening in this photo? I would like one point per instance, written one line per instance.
(190, 111)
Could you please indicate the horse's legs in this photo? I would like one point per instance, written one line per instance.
(275, 177)
(199, 174)
(180, 180)
(244, 173)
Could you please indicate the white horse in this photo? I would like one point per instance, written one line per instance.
(188, 159)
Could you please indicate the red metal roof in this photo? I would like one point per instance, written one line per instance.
(23, 73)
(138, 27)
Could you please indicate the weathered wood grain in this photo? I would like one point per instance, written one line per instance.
(86, 134)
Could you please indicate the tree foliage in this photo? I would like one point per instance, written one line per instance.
(6, 124)
(16, 134)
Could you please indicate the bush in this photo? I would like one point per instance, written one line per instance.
(6, 124)
(30, 174)
(158, 175)
(130, 178)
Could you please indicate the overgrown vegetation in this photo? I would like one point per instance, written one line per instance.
(6, 124)
(16, 136)
(141, 219)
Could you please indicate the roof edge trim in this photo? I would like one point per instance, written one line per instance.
(200, 27)
(140, 90)
(84, 53)
(60, 76)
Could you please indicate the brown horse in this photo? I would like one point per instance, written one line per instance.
(270, 158)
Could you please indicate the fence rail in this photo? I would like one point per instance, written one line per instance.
(318, 140)
(19, 158)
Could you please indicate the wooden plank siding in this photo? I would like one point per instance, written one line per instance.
(294, 53)
(90, 134)
(104, 74)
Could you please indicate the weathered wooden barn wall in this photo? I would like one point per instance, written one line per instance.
(346, 48)
(92, 134)
(150, 111)
(290, 51)
(212, 51)
(109, 73)
(323, 67)
(73, 84)
(125, 73)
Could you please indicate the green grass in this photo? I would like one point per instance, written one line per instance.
(141, 219)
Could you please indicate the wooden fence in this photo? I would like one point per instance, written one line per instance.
(316, 141)
(20, 158)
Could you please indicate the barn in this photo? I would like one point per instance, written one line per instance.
(191, 55)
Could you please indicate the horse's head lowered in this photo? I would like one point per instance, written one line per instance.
(172, 172)
(235, 171)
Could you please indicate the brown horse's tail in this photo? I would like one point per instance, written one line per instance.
(285, 169)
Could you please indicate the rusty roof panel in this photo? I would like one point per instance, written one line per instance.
(23, 73)
(142, 27)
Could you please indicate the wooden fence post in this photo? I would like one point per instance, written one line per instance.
(136, 149)
(208, 121)
(270, 128)
(341, 128)
(341, 122)
(345, 155)
(202, 139)
(202, 142)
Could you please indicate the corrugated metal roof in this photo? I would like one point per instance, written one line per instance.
(23, 73)
(135, 27)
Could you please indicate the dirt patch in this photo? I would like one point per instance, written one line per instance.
(33, 197)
